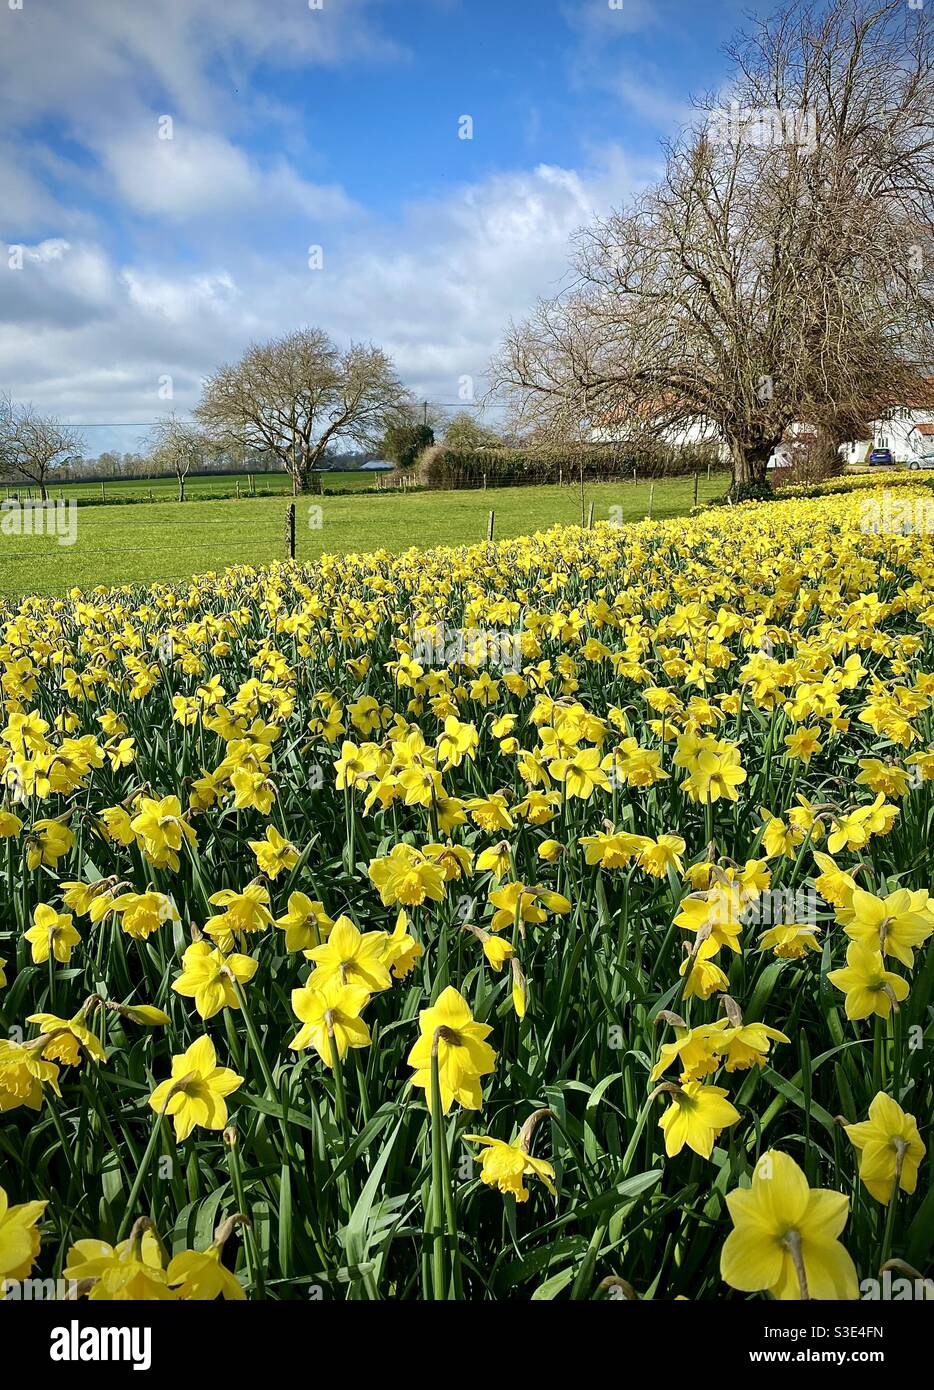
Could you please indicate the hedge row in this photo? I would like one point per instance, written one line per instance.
(440, 467)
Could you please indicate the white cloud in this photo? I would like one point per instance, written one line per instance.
(435, 290)
(185, 174)
(58, 56)
(95, 321)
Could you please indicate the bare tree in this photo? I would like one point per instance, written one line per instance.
(783, 263)
(33, 446)
(298, 396)
(6, 436)
(179, 446)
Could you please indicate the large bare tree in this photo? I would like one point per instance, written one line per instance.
(299, 395)
(33, 446)
(780, 270)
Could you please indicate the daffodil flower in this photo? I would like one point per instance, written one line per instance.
(195, 1095)
(785, 1236)
(890, 1148)
(464, 1055)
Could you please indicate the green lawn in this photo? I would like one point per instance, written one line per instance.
(166, 541)
(205, 487)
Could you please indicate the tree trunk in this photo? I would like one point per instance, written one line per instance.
(750, 461)
(306, 480)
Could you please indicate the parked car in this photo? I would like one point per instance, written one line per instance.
(881, 456)
(922, 461)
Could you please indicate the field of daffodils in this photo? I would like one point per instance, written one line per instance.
(548, 919)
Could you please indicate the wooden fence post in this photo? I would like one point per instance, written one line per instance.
(696, 480)
(590, 518)
(489, 529)
(651, 499)
(290, 530)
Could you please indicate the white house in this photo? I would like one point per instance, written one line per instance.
(907, 430)
(611, 429)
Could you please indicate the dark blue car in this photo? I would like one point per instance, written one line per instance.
(881, 456)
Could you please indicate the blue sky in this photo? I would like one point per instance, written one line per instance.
(140, 262)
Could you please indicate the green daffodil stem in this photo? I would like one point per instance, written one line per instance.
(637, 1133)
(343, 1122)
(878, 1052)
(349, 826)
(436, 1201)
(340, 1095)
(450, 1216)
(140, 1178)
(272, 1090)
(584, 1276)
(67, 1149)
(889, 1227)
(250, 1249)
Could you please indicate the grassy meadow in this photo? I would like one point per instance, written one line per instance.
(166, 541)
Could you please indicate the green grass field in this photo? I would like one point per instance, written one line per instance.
(206, 487)
(166, 541)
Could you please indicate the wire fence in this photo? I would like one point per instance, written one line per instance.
(474, 515)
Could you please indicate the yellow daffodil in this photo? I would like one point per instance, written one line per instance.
(195, 1095)
(306, 924)
(329, 1011)
(505, 1166)
(695, 1117)
(890, 1148)
(132, 1271)
(354, 957)
(895, 925)
(464, 1056)
(785, 1236)
(405, 876)
(868, 986)
(274, 854)
(402, 950)
(208, 977)
(52, 934)
(69, 1040)
(19, 1238)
